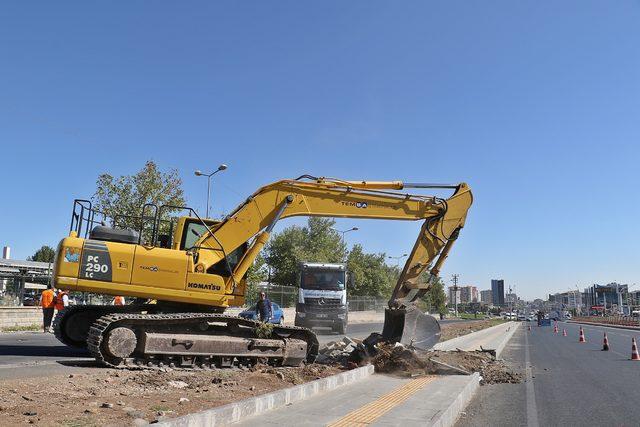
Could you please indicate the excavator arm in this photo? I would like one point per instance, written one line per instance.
(327, 197)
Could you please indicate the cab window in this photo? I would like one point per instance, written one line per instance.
(193, 231)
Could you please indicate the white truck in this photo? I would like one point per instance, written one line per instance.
(322, 296)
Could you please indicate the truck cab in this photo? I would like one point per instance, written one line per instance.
(322, 296)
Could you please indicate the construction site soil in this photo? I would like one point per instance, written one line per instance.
(107, 397)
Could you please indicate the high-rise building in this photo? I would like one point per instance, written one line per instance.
(497, 290)
(486, 297)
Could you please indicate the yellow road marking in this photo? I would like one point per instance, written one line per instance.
(374, 410)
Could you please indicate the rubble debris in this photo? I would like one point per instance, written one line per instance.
(399, 360)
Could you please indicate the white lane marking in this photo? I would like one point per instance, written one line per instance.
(532, 409)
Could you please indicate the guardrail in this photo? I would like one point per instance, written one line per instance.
(609, 320)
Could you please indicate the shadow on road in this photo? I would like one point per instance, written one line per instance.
(42, 351)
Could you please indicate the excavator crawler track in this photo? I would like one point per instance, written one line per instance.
(71, 325)
(184, 335)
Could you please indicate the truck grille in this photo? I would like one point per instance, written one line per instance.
(322, 304)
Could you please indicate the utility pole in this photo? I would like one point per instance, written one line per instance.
(454, 279)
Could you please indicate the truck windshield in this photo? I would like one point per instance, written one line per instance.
(323, 279)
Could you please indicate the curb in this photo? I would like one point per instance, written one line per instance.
(506, 339)
(452, 413)
(457, 342)
(238, 411)
(631, 328)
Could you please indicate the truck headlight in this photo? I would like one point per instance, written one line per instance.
(341, 316)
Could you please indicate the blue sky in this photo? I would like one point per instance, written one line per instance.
(535, 104)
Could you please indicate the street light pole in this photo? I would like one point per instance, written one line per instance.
(397, 258)
(343, 232)
(209, 175)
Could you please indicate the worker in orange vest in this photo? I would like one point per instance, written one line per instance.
(62, 300)
(47, 301)
(118, 300)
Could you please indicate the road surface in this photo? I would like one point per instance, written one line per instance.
(34, 354)
(568, 383)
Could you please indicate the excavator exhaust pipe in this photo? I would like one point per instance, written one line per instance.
(410, 327)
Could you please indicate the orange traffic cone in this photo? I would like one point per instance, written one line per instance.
(529, 327)
(634, 350)
(564, 332)
(555, 328)
(581, 335)
(605, 344)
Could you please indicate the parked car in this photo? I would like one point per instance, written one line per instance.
(277, 315)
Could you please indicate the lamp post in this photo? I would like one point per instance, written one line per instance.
(209, 175)
(397, 258)
(343, 232)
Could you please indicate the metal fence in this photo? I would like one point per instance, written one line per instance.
(287, 296)
(363, 303)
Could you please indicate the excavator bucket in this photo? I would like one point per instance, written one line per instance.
(410, 327)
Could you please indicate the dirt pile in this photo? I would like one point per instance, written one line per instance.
(396, 359)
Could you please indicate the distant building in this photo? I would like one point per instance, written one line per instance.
(468, 294)
(497, 290)
(511, 298)
(610, 296)
(486, 297)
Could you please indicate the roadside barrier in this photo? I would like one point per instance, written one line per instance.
(605, 343)
(634, 350)
(609, 320)
(581, 339)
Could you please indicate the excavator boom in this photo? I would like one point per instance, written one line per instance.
(443, 220)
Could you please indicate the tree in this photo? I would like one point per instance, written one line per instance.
(258, 272)
(44, 254)
(316, 242)
(370, 275)
(435, 298)
(125, 195)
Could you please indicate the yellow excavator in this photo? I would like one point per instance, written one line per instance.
(185, 271)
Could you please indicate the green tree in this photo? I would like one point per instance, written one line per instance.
(44, 254)
(370, 275)
(316, 242)
(435, 298)
(125, 195)
(258, 272)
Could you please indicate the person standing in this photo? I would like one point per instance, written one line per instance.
(264, 308)
(62, 300)
(47, 301)
(118, 300)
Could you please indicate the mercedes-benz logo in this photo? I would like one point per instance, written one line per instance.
(321, 301)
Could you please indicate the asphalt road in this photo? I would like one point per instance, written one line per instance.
(568, 383)
(35, 354)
